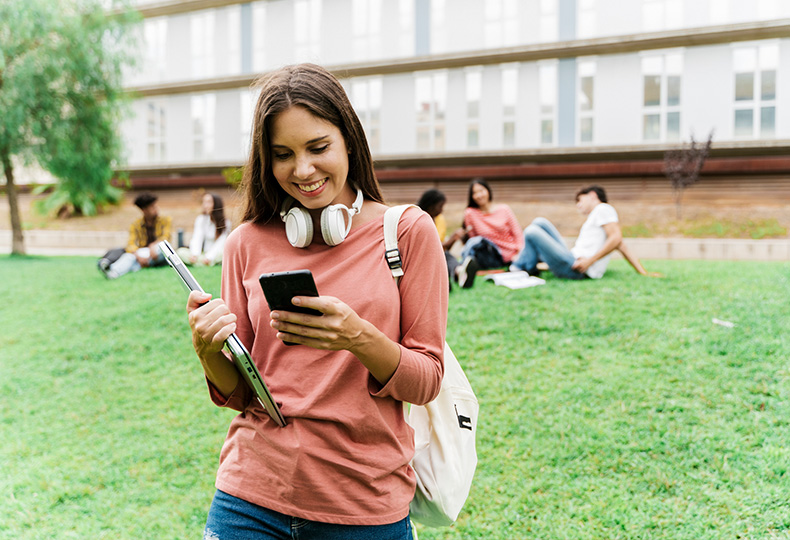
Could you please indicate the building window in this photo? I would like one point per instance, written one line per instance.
(366, 96)
(366, 24)
(509, 96)
(431, 102)
(406, 28)
(661, 15)
(661, 76)
(231, 33)
(547, 80)
(588, 23)
(474, 91)
(501, 23)
(307, 30)
(155, 35)
(247, 101)
(438, 26)
(156, 132)
(586, 101)
(203, 108)
(755, 91)
(259, 34)
(549, 21)
(202, 39)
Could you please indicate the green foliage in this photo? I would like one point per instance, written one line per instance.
(61, 96)
(233, 175)
(708, 227)
(755, 229)
(610, 409)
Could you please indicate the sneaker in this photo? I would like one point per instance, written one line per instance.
(104, 267)
(467, 272)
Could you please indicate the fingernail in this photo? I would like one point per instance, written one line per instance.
(275, 315)
(296, 301)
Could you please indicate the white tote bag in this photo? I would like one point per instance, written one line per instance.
(445, 456)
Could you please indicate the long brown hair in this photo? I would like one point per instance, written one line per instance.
(318, 91)
(217, 215)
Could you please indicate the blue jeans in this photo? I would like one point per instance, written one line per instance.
(485, 252)
(127, 263)
(231, 518)
(542, 242)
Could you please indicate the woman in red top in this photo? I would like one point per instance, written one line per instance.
(492, 233)
(340, 467)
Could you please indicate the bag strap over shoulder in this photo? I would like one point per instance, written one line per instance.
(391, 251)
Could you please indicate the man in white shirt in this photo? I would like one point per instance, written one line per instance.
(589, 257)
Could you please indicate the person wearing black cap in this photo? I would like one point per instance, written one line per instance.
(144, 235)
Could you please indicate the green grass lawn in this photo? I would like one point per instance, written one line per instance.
(609, 409)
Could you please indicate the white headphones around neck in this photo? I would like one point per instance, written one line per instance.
(299, 223)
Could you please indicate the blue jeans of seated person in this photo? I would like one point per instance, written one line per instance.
(485, 252)
(231, 518)
(542, 242)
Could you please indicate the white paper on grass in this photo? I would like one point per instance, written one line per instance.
(515, 280)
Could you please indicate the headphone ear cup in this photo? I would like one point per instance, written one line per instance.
(298, 227)
(333, 225)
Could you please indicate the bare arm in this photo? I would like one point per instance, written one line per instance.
(614, 237)
(634, 261)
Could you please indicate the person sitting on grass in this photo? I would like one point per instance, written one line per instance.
(599, 236)
(208, 235)
(432, 202)
(491, 233)
(144, 235)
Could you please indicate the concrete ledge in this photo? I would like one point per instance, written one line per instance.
(720, 249)
(45, 242)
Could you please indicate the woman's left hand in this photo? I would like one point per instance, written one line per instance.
(338, 328)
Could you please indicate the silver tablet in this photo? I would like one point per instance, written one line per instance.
(239, 353)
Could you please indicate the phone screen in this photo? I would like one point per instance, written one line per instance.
(280, 287)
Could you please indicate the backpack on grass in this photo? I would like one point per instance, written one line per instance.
(445, 456)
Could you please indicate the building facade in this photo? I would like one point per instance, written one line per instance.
(520, 91)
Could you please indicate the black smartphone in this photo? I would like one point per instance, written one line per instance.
(280, 287)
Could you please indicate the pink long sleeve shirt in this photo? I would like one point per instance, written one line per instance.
(500, 226)
(344, 455)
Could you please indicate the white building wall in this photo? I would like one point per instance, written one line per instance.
(707, 93)
(180, 144)
(528, 106)
(618, 18)
(178, 59)
(707, 86)
(228, 123)
(618, 100)
(398, 135)
(456, 111)
(491, 109)
(783, 89)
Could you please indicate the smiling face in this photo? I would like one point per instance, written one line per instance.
(310, 159)
(481, 196)
(207, 204)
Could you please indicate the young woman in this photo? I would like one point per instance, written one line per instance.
(494, 235)
(340, 467)
(209, 233)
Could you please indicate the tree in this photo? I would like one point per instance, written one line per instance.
(61, 98)
(682, 167)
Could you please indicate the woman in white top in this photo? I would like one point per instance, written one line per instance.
(209, 234)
